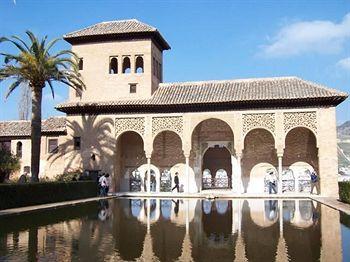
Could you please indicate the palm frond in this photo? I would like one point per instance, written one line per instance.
(23, 43)
(51, 87)
(13, 86)
(51, 44)
(18, 45)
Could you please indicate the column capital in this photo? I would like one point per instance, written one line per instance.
(280, 152)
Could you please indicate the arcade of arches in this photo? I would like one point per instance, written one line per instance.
(219, 153)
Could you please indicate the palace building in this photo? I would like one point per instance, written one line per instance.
(218, 135)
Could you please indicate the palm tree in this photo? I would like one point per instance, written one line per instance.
(35, 66)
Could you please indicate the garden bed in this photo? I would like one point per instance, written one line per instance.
(344, 192)
(20, 195)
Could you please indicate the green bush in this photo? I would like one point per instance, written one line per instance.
(69, 176)
(20, 195)
(8, 164)
(344, 191)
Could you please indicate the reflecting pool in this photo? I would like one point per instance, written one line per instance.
(179, 230)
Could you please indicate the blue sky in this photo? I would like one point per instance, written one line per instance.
(209, 39)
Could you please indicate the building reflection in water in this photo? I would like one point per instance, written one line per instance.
(177, 230)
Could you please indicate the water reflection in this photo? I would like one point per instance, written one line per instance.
(178, 230)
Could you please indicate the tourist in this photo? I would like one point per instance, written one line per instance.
(103, 183)
(107, 184)
(271, 178)
(153, 183)
(176, 207)
(23, 178)
(315, 182)
(176, 181)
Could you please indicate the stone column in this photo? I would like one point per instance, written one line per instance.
(187, 173)
(148, 174)
(239, 181)
(187, 217)
(280, 170)
(148, 203)
(238, 147)
(327, 151)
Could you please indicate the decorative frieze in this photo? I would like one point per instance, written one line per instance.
(171, 123)
(136, 124)
(259, 120)
(300, 119)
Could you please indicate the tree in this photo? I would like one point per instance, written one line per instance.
(24, 103)
(8, 164)
(35, 66)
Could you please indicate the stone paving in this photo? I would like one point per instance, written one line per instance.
(20, 210)
(331, 202)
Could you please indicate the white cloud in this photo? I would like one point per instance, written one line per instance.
(344, 63)
(319, 36)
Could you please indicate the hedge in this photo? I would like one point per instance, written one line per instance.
(344, 191)
(20, 195)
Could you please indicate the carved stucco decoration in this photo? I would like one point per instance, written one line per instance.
(136, 124)
(300, 119)
(171, 123)
(259, 120)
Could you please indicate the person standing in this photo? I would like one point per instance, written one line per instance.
(315, 182)
(177, 182)
(271, 178)
(107, 184)
(103, 183)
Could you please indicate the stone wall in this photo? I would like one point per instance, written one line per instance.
(306, 135)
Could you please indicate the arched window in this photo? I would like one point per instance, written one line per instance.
(19, 149)
(139, 65)
(221, 178)
(126, 65)
(113, 66)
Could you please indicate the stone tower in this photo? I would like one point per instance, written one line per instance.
(119, 60)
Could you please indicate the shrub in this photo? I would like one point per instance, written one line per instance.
(69, 176)
(344, 191)
(19, 195)
(8, 164)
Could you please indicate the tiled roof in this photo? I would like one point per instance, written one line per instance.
(115, 28)
(22, 127)
(256, 90)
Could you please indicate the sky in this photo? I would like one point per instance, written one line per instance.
(210, 40)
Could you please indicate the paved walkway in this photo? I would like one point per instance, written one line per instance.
(20, 210)
(331, 202)
(209, 194)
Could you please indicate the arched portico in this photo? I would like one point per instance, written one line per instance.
(130, 156)
(167, 153)
(212, 144)
(218, 161)
(301, 156)
(259, 155)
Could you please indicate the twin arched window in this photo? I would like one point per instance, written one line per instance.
(113, 66)
(126, 65)
(139, 65)
(81, 64)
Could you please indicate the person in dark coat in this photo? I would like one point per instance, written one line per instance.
(177, 182)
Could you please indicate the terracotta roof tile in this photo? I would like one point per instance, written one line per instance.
(113, 27)
(22, 127)
(120, 29)
(239, 90)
